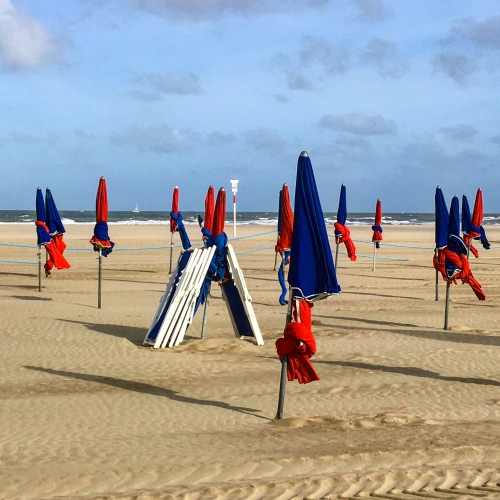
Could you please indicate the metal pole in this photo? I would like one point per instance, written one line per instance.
(437, 285)
(205, 314)
(39, 268)
(171, 250)
(374, 254)
(336, 255)
(281, 401)
(99, 280)
(275, 260)
(234, 216)
(447, 305)
(284, 363)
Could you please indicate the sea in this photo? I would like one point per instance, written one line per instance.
(250, 218)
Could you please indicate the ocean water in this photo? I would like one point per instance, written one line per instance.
(254, 218)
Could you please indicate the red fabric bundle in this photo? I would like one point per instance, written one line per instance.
(345, 237)
(55, 248)
(439, 263)
(465, 274)
(299, 344)
(468, 241)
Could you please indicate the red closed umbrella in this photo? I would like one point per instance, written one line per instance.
(219, 213)
(377, 230)
(477, 214)
(209, 209)
(175, 209)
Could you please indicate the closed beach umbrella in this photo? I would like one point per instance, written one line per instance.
(276, 251)
(342, 233)
(467, 226)
(377, 231)
(100, 240)
(441, 218)
(284, 244)
(173, 223)
(312, 272)
(42, 232)
(56, 231)
(209, 209)
(477, 231)
(311, 277)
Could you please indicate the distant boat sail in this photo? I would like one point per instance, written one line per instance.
(136, 209)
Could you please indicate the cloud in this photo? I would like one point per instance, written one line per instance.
(139, 95)
(382, 54)
(458, 67)
(459, 132)
(281, 98)
(203, 10)
(495, 139)
(484, 34)
(359, 124)
(24, 43)
(371, 10)
(265, 139)
(219, 139)
(170, 84)
(159, 139)
(295, 79)
(333, 60)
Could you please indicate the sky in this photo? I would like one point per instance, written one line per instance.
(391, 98)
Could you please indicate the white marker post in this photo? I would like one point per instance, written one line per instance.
(234, 186)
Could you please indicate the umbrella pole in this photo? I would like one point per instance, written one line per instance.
(205, 314)
(284, 364)
(447, 305)
(437, 285)
(336, 255)
(99, 280)
(374, 254)
(275, 260)
(171, 250)
(39, 268)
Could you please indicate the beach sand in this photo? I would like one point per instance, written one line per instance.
(87, 412)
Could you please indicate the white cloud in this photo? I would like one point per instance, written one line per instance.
(359, 124)
(371, 10)
(24, 43)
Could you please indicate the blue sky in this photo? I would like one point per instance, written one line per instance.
(390, 98)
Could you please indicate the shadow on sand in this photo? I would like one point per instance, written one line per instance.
(144, 388)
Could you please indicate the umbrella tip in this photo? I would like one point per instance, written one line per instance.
(304, 153)
(221, 189)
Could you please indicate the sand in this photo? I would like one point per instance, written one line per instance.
(87, 412)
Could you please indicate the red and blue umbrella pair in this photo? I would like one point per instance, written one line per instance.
(50, 230)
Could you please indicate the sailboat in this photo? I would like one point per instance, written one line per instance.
(136, 209)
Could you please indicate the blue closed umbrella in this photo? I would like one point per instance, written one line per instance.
(466, 216)
(312, 272)
(186, 243)
(441, 219)
(43, 236)
(53, 219)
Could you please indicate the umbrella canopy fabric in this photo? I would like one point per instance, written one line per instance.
(466, 218)
(441, 218)
(209, 209)
(100, 240)
(181, 229)
(279, 211)
(284, 243)
(377, 227)
(299, 344)
(53, 219)
(42, 231)
(56, 230)
(455, 254)
(477, 230)
(312, 272)
(219, 214)
(342, 233)
(175, 209)
(55, 256)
